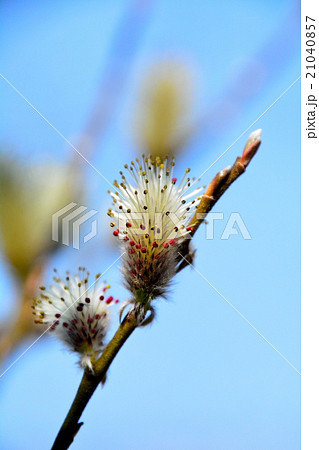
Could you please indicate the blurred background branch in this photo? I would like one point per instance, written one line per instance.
(119, 62)
(15, 331)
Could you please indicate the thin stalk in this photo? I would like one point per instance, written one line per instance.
(89, 383)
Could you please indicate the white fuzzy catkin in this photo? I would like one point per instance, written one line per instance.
(79, 313)
(152, 210)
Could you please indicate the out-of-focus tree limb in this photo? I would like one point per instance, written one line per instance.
(119, 62)
(15, 331)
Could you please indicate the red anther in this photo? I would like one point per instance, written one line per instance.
(128, 224)
(138, 246)
(116, 301)
(126, 238)
(109, 300)
(188, 229)
(172, 241)
(175, 229)
(158, 230)
(174, 180)
(157, 256)
(143, 250)
(115, 232)
(97, 316)
(142, 227)
(58, 315)
(132, 243)
(165, 245)
(90, 320)
(155, 244)
(101, 297)
(94, 330)
(65, 324)
(131, 251)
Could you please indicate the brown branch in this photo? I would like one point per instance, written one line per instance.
(89, 383)
(216, 188)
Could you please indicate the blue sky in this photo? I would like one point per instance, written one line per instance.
(200, 377)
